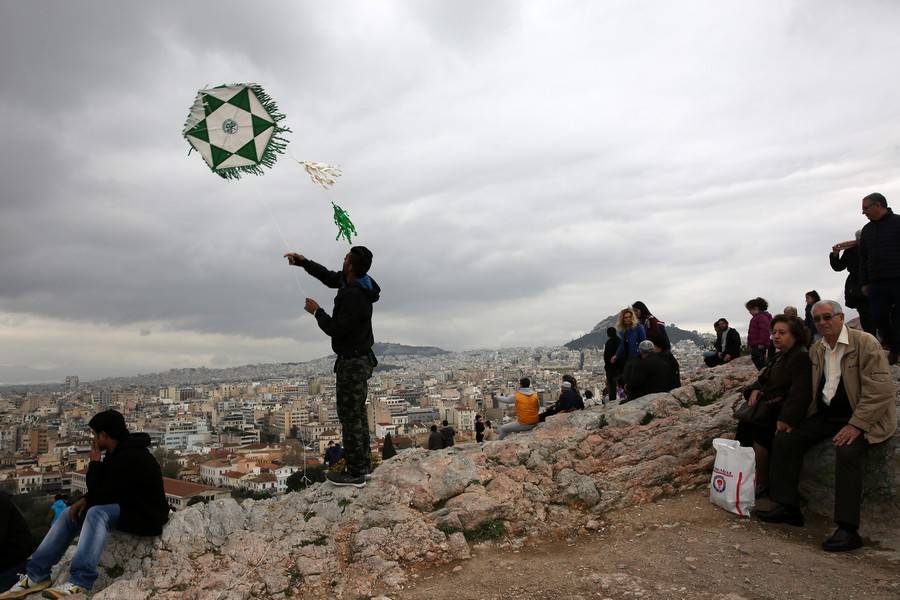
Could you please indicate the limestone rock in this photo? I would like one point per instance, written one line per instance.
(417, 508)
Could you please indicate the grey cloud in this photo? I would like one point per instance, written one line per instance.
(519, 170)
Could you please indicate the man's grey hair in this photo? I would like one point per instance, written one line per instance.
(835, 307)
(646, 347)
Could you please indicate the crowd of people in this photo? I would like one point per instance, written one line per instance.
(637, 356)
(822, 380)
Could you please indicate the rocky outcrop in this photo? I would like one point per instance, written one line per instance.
(425, 508)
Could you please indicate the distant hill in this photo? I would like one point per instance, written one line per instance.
(389, 349)
(204, 375)
(596, 338)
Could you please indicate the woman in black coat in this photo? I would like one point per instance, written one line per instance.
(781, 393)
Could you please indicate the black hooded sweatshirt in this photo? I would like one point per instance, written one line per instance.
(130, 477)
(350, 324)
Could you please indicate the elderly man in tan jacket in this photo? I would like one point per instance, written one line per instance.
(854, 405)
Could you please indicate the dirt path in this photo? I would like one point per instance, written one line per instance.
(682, 547)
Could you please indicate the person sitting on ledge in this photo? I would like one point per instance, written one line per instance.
(448, 434)
(124, 492)
(651, 374)
(527, 409)
(569, 399)
(852, 404)
(435, 439)
(727, 345)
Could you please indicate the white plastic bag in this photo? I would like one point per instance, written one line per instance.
(733, 483)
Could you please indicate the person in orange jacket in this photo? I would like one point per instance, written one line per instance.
(528, 405)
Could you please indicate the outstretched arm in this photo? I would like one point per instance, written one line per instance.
(330, 279)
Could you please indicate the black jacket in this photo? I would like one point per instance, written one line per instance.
(732, 343)
(447, 435)
(569, 400)
(649, 375)
(435, 440)
(350, 323)
(849, 260)
(609, 350)
(16, 543)
(786, 383)
(879, 250)
(130, 477)
(674, 368)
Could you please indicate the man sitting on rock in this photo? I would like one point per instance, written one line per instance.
(333, 454)
(569, 399)
(125, 492)
(853, 406)
(435, 439)
(527, 409)
(447, 434)
(651, 374)
(727, 345)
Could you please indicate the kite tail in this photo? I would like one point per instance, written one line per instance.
(345, 226)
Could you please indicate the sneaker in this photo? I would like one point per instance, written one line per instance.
(23, 588)
(345, 479)
(64, 589)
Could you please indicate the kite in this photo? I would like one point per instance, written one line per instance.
(236, 129)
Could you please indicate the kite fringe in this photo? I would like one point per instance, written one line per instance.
(277, 143)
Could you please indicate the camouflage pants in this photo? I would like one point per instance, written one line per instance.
(352, 388)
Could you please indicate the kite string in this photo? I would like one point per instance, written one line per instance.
(286, 245)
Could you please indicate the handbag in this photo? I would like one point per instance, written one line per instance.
(758, 414)
(750, 414)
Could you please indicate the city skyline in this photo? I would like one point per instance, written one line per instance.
(520, 171)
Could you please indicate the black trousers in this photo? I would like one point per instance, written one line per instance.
(787, 461)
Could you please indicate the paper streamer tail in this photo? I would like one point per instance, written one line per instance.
(345, 226)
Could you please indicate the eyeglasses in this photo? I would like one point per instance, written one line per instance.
(867, 207)
(825, 317)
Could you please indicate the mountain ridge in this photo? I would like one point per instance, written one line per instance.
(596, 337)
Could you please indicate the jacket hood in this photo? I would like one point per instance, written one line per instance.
(134, 440)
(527, 391)
(369, 287)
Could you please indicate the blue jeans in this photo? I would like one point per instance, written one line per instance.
(94, 529)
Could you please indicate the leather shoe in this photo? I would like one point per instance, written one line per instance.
(781, 514)
(842, 540)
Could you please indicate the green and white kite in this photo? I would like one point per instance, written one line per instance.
(235, 129)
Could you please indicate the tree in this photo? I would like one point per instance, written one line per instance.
(387, 450)
(168, 462)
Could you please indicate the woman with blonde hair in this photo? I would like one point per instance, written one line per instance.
(631, 334)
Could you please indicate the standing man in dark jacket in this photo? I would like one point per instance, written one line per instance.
(853, 296)
(125, 492)
(350, 329)
(613, 372)
(879, 268)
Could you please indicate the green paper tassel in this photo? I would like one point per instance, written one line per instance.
(344, 224)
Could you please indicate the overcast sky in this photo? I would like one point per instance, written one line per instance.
(520, 170)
